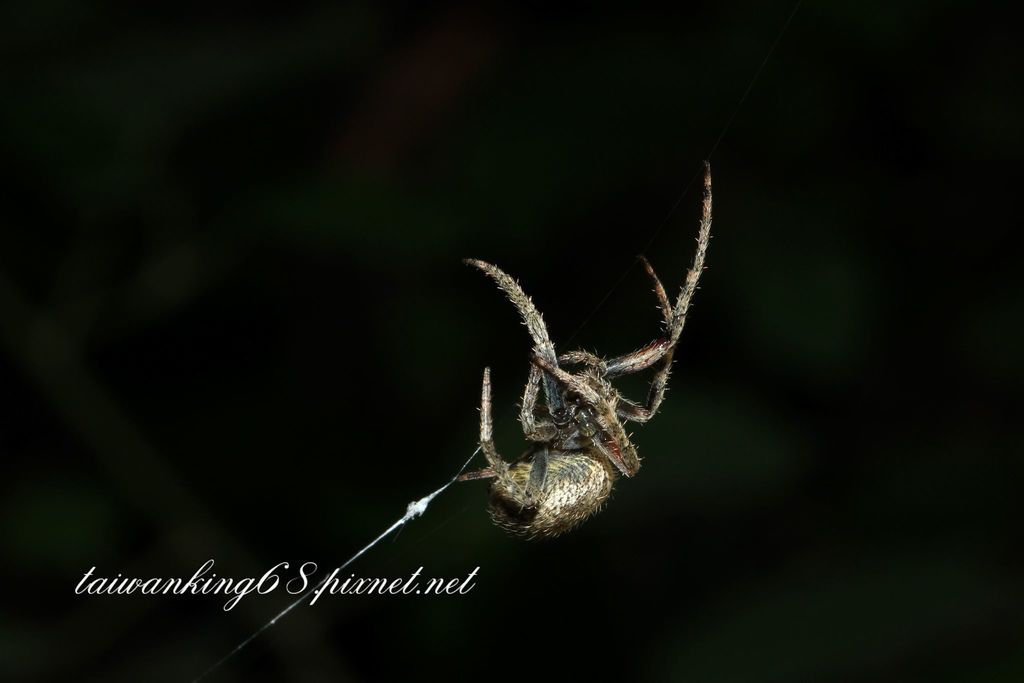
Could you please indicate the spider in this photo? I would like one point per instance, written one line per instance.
(579, 444)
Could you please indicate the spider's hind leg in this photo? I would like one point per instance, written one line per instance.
(483, 473)
(534, 429)
(497, 466)
(526, 494)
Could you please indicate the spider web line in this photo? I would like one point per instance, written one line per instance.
(699, 172)
(414, 510)
(419, 507)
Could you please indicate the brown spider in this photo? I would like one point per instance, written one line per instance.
(579, 443)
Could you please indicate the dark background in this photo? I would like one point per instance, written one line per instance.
(235, 325)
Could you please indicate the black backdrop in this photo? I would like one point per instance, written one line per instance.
(235, 326)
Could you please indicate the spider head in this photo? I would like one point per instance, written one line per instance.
(576, 414)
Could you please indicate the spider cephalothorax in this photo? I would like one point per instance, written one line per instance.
(580, 446)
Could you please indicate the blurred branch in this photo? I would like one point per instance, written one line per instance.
(133, 464)
(416, 89)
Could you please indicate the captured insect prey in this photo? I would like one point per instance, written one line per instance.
(579, 446)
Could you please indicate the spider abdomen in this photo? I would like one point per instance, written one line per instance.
(576, 485)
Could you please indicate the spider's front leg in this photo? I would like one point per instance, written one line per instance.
(635, 412)
(682, 306)
(638, 360)
(659, 290)
(533, 320)
(642, 413)
(675, 318)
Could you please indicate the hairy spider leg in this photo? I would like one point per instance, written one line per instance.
(659, 290)
(682, 307)
(637, 360)
(534, 322)
(652, 353)
(675, 317)
(497, 466)
(534, 429)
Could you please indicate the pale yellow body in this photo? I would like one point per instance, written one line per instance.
(576, 485)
